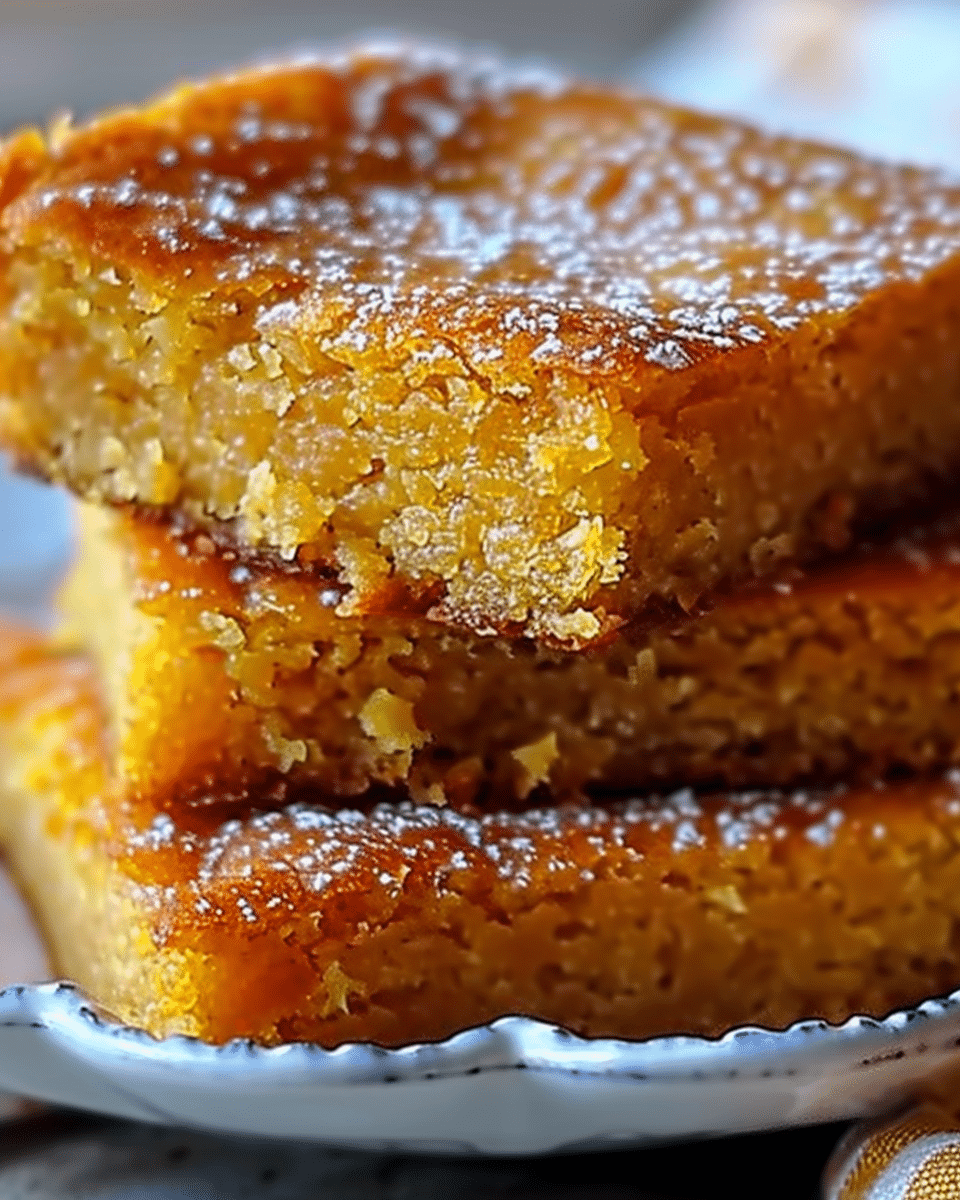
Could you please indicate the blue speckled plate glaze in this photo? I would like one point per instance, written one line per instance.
(516, 1086)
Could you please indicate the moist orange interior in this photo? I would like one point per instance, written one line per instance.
(532, 352)
(226, 678)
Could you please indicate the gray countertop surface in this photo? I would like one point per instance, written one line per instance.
(64, 1156)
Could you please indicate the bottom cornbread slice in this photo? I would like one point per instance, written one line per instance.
(406, 923)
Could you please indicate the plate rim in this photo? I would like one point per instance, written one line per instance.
(746, 1051)
(515, 1086)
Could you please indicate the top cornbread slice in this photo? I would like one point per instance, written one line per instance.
(522, 354)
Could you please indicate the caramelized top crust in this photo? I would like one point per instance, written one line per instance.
(397, 190)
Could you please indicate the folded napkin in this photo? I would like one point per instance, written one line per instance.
(913, 1156)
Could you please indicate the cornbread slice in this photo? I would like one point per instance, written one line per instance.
(409, 923)
(224, 679)
(524, 352)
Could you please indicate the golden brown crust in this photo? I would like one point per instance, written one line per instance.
(546, 351)
(664, 916)
(22, 158)
(248, 183)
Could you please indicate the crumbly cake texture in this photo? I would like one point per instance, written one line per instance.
(409, 923)
(523, 352)
(849, 672)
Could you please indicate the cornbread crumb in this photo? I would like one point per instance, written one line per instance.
(339, 990)
(537, 759)
(226, 633)
(389, 720)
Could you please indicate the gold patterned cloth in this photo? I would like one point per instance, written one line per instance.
(914, 1156)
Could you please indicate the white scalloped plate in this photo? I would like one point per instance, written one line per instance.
(517, 1086)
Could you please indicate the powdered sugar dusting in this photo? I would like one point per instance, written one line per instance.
(600, 230)
(271, 859)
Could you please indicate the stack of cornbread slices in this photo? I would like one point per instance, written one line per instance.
(483, 480)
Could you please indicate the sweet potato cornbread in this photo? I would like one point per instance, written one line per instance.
(222, 679)
(521, 352)
(410, 923)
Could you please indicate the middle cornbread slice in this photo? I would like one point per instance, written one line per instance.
(239, 681)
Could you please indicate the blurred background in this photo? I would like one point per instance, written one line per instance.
(884, 73)
(81, 54)
(880, 75)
